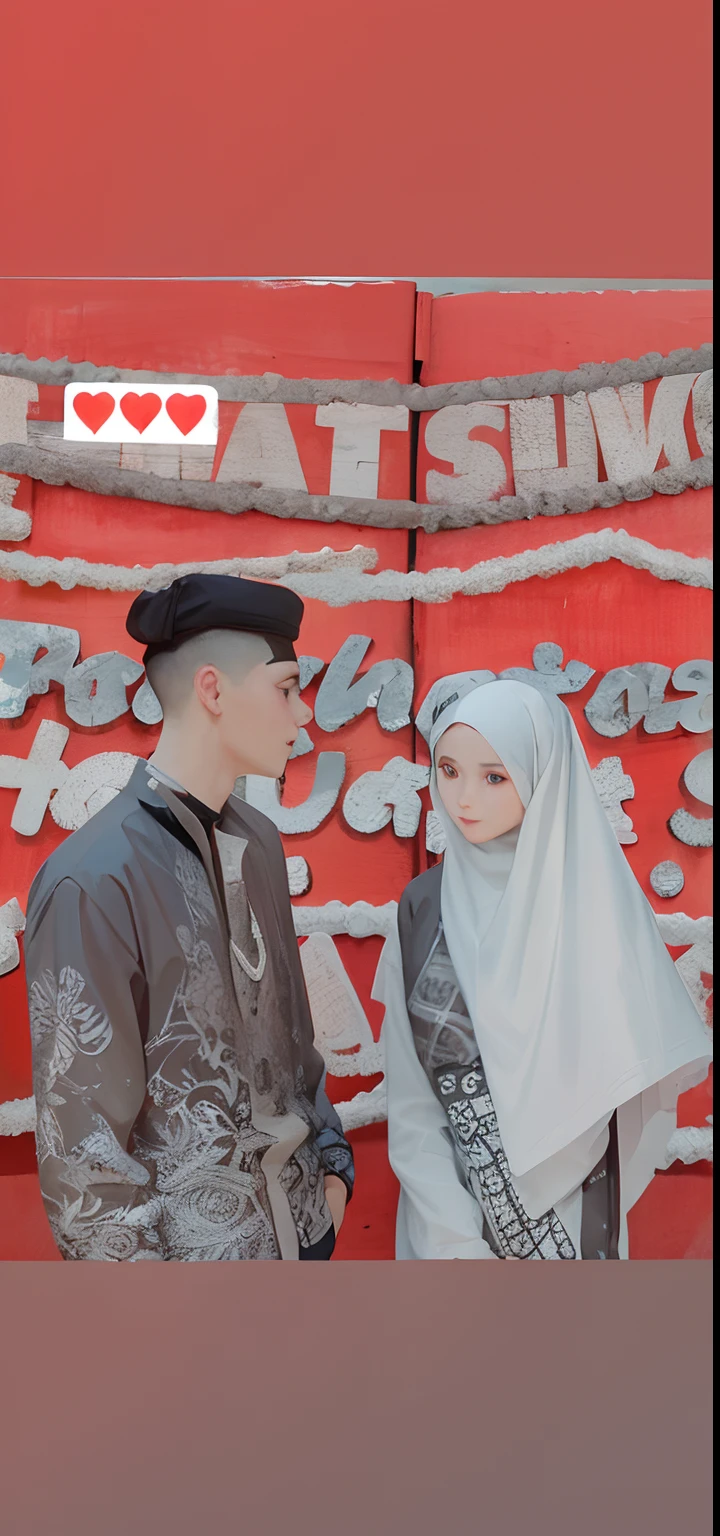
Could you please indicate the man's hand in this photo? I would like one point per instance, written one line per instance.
(336, 1196)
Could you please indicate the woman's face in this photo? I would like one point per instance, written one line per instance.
(475, 787)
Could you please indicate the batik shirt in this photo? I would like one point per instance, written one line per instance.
(181, 1110)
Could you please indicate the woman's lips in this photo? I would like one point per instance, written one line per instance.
(468, 821)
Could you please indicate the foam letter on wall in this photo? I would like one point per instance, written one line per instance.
(535, 457)
(36, 776)
(624, 695)
(89, 786)
(95, 690)
(355, 464)
(146, 705)
(614, 786)
(15, 397)
(696, 831)
(694, 714)
(629, 447)
(14, 523)
(703, 411)
(12, 921)
(549, 675)
(264, 794)
(20, 674)
(262, 448)
(387, 687)
(479, 470)
(390, 794)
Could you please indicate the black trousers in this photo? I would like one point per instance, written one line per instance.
(321, 1250)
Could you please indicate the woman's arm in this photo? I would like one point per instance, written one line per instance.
(438, 1218)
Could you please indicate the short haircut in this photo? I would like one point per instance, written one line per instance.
(233, 651)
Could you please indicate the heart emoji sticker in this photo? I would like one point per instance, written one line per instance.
(140, 410)
(94, 410)
(186, 411)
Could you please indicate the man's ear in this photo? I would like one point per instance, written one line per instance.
(207, 687)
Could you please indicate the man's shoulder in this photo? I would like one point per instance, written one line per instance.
(98, 851)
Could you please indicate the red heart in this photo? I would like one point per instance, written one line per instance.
(186, 411)
(94, 410)
(140, 410)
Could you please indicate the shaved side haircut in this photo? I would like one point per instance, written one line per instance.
(233, 651)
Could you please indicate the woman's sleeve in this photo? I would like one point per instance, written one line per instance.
(438, 1218)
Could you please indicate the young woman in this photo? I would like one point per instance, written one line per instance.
(536, 1032)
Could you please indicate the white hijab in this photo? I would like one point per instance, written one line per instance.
(576, 1004)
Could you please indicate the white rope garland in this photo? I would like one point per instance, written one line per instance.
(339, 578)
(444, 582)
(38, 570)
(17, 1117)
(87, 473)
(360, 919)
(274, 388)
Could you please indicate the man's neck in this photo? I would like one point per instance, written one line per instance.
(191, 765)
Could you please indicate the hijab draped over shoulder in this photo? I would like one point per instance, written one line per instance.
(576, 1004)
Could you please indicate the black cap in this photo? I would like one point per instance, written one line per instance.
(192, 604)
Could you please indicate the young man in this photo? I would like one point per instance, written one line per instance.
(181, 1111)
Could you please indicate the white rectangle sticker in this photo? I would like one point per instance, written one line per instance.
(140, 413)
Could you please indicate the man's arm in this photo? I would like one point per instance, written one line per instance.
(335, 1154)
(86, 993)
(332, 1145)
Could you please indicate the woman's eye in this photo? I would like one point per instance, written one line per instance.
(495, 778)
(448, 771)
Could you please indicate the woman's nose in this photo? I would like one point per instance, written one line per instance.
(306, 714)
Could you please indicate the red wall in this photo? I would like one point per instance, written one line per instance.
(605, 616)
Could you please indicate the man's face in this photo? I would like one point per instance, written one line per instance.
(260, 717)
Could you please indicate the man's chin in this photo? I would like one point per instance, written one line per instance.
(274, 770)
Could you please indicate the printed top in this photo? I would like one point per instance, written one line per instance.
(447, 1049)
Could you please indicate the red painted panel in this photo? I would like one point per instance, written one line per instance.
(606, 616)
(481, 335)
(300, 330)
(296, 330)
